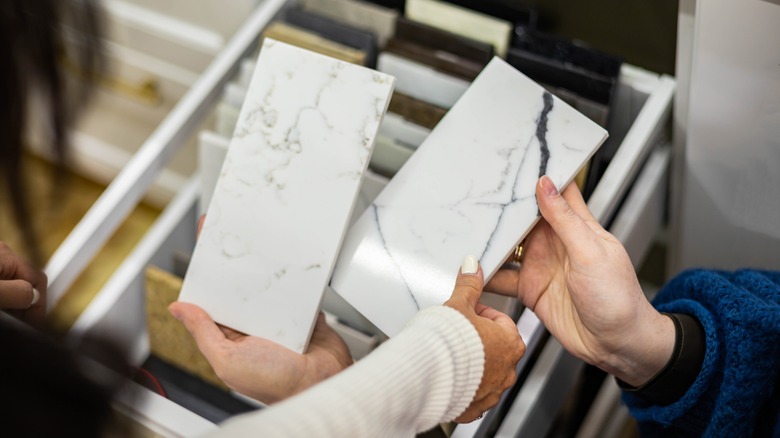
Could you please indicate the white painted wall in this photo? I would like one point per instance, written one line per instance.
(726, 199)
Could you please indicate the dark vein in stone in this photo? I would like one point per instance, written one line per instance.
(541, 133)
(375, 208)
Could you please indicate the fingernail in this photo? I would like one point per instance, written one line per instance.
(174, 312)
(36, 297)
(470, 266)
(548, 187)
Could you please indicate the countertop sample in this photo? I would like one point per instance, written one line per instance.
(285, 194)
(468, 189)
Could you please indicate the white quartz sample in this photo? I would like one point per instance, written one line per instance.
(468, 189)
(421, 81)
(462, 21)
(285, 193)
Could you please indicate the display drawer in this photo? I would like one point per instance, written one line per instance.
(643, 105)
(637, 208)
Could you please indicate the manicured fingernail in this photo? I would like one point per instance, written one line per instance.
(470, 266)
(548, 187)
(174, 312)
(36, 297)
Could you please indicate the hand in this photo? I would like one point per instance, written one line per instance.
(22, 288)
(580, 282)
(502, 343)
(259, 368)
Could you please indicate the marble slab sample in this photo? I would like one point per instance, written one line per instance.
(468, 189)
(421, 81)
(311, 41)
(416, 111)
(286, 192)
(336, 31)
(522, 17)
(442, 61)
(443, 40)
(462, 21)
(362, 15)
(566, 64)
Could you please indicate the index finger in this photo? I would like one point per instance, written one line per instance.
(17, 294)
(13, 267)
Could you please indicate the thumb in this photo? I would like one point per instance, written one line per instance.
(469, 284)
(571, 228)
(207, 334)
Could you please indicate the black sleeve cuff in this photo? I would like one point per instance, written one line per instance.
(673, 381)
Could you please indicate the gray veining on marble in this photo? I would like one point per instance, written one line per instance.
(285, 193)
(468, 189)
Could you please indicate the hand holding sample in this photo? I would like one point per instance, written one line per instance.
(500, 340)
(579, 281)
(259, 368)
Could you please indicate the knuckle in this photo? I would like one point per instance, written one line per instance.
(468, 285)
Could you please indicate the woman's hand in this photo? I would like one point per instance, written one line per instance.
(580, 282)
(501, 341)
(259, 368)
(22, 288)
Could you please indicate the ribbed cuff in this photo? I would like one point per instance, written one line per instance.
(673, 381)
(461, 339)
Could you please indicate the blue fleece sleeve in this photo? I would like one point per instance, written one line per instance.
(737, 390)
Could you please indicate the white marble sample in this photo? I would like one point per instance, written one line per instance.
(422, 82)
(406, 132)
(286, 192)
(468, 189)
(462, 21)
(212, 150)
(362, 15)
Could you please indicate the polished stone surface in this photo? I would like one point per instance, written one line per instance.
(285, 194)
(468, 189)
(416, 111)
(375, 18)
(440, 60)
(438, 39)
(305, 39)
(462, 21)
(336, 31)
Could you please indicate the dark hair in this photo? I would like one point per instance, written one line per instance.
(37, 38)
(48, 391)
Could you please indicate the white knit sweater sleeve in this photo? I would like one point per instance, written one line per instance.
(425, 375)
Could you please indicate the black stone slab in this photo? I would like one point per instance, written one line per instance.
(566, 64)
